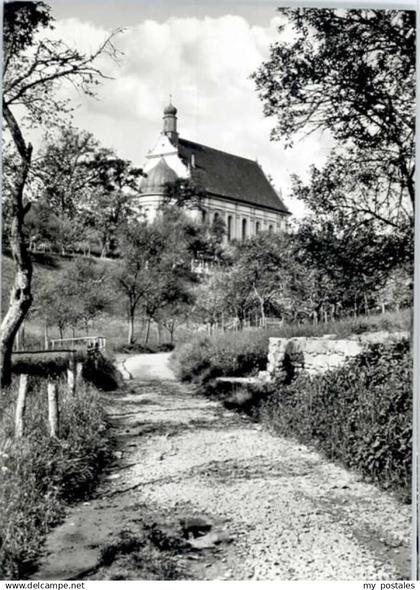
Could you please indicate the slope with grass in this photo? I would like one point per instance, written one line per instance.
(40, 474)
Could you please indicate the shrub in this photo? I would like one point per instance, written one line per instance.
(360, 414)
(100, 370)
(139, 348)
(231, 354)
(40, 474)
(201, 358)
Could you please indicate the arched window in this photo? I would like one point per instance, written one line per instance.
(229, 227)
(216, 216)
(257, 227)
(244, 229)
(270, 228)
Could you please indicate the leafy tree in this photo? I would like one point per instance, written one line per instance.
(64, 170)
(76, 298)
(42, 227)
(346, 257)
(156, 268)
(364, 96)
(175, 313)
(210, 299)
(140, 245)
(260, 272)
(365, 188)
(184, 192)
(114, 183)
(33, 69)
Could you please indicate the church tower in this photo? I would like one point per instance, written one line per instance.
(169, 123)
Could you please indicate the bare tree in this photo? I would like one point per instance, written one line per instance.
(33, 70)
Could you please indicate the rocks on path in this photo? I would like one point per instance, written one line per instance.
(263, 507)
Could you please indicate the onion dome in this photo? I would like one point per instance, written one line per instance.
(157, 178)
(170, 110)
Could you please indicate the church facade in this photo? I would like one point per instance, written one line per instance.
(236, 189)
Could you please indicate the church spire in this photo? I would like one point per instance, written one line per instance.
(169, 122)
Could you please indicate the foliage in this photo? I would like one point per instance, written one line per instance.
(156, 273)
(204, 358)
(353, 261)
(100, 371)
(184, 193)
(269, 274)
(201, 358)
(259, 277)
(63, 170)
(34, 66)
(75, 299)
(360, 414)
(366, 96)
(40, 475)
(33, 70)
(366, 100)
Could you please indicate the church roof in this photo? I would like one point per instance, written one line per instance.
(226, 175)
(155, 180)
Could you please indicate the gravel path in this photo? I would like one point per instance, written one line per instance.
(291, 514)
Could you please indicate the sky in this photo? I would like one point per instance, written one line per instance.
(200, 53)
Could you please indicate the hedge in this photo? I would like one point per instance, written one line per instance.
(360, 415)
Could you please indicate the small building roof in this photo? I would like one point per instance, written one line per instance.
(229, 176)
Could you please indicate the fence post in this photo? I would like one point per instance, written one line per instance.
(20, 406)
(53, 416)
(72, 375)
(79, 369)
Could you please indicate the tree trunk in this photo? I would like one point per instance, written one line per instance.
(366, 305)
(21, 295)
(130, 339)
(46, 336)
(146, 340)
(263, 321)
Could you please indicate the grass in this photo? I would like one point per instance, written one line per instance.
(202, 358)
(40, 475)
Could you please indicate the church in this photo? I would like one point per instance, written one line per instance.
(236, 188)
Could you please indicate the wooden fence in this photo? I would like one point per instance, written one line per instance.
(96, 342)
(64, 362)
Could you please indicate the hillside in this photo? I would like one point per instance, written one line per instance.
(48, 268)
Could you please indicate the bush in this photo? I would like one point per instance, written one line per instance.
(138, 348)
(39, 475)
(100, 370)
(231, 354)
(203, 358)
(360, 414)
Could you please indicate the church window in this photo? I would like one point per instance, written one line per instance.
(270, 228)
(229, 227)
(244, 229)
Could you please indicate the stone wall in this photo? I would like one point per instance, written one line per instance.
(317, 355)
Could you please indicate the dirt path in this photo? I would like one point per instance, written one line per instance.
(288, 513)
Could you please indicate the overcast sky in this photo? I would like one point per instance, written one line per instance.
(202, 53)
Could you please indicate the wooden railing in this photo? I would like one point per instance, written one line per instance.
(96, 342)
